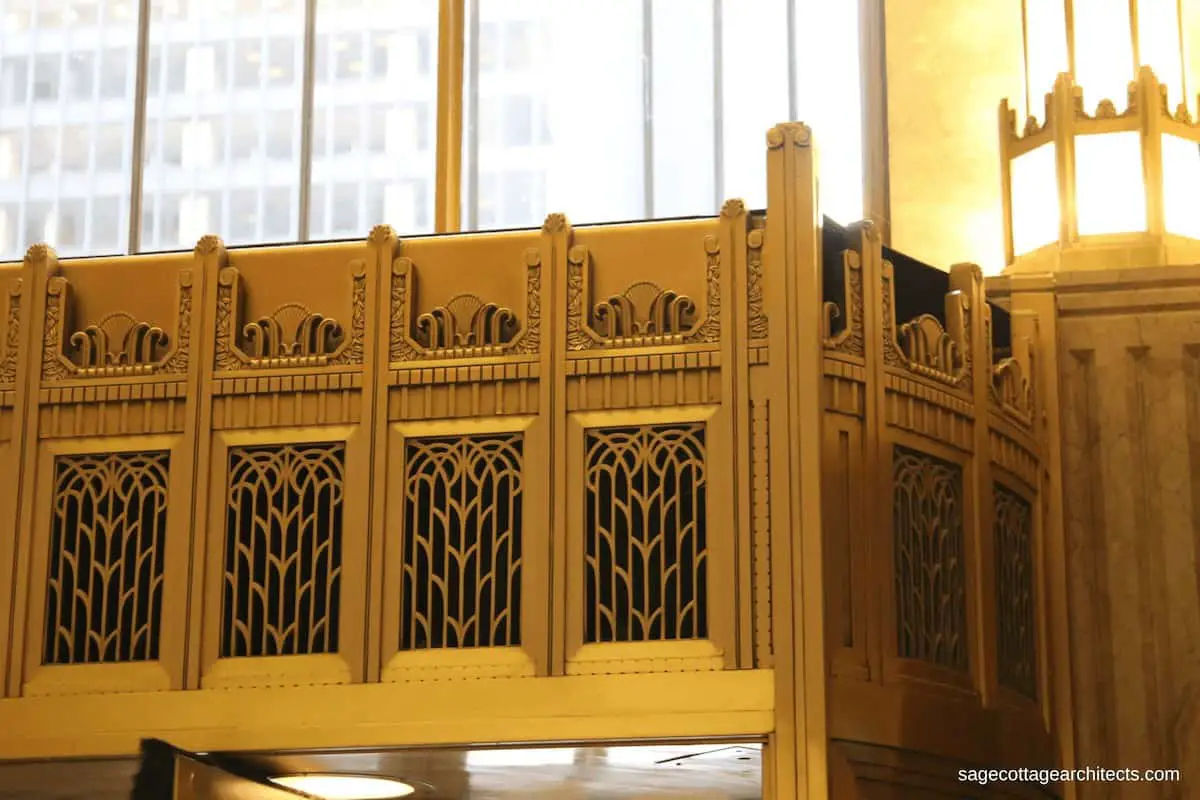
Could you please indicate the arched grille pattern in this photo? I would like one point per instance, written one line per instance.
(646, 549)
(283, 550)
(930, 576)
(461, 582)
(1015, 633)
(107, 540)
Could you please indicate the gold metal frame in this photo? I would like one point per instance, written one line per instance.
(722, 321)
(344, 666)
(1066, 120)
(716, 651)
(160, 675)
(525, 660)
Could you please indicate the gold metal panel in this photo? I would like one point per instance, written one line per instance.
(1015, 563)
(506, 710)
(458, 620)
(107, 505)
(654, 642)
(109, 376)
(14, 336)
(272, 494)
(616, 297)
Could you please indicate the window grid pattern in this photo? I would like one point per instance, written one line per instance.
(222, 143)
(272, 121)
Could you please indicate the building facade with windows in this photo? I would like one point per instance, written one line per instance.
(284, 121)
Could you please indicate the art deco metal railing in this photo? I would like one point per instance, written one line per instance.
(567, 451)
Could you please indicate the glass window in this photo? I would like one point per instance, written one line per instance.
(247, 63)
(11, 152)
(243, 214)
(222, 153)
(518, 46)
(382, 134)
(76, 149)
(279, 207)
(281, 64)
(231, 95)
(107, 223)
(116, 72)
(680, 132)
(345, 209)
(9, 215)
(112, 147)
(14, 80)
(43, 150)
(518, 121)
(81, 75)
(67, 174)
(604, 69)
(47, 77)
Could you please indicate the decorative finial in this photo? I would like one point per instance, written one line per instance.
(38, 252)
(801, 134)
(732, 207)
(209, 245)
(381, 234)
(555, 223)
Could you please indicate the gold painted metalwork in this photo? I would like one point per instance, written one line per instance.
(292, 335)
(849, 339)
(644, 314)
(756, 317)
(461, 584)
(283, 550)
(931, 613)
(465, 326)
(104, 589)
(646, 551)
(118, 345)
(12, 333)
(620, 481)
(1015, 613)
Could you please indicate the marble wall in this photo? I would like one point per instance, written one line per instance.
(949, 64)
(1129, 399)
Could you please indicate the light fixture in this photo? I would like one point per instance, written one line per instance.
(525, 757)
(1107, 176)
(345, 787)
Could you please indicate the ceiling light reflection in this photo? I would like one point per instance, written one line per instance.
(345, 787)
(526, 757)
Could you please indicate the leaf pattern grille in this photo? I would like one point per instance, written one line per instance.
(283, 550)
(646, 552)
(930, 576)
(461, 579)
(1015, 654)
(107, 540)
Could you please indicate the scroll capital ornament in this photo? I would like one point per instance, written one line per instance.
(801, 135)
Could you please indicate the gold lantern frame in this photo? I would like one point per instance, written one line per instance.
(1066, 122)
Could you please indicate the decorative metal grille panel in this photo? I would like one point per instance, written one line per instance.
(645, 533)
(107, 540)
(931, 615)
(461, 579)
(1015, 654)
(283, 550)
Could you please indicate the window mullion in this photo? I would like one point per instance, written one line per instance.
(648, 108)
(138, 149)
(308, 82)
(718, 105)
(792, 59)
(472, 101)
(448, 191)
